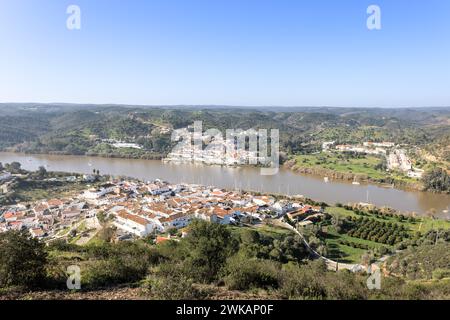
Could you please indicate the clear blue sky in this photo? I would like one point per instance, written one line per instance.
(232, 52)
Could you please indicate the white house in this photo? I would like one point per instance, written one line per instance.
(176, 220)
(94, 194)
(263, 200)
(37, 232)
(134, 224)
(281, 207)
(89, 177)
(155, 189)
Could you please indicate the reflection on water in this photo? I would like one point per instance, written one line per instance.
(247, 178)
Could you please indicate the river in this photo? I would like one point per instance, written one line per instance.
(247, 178)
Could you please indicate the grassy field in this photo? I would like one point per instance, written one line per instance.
(264, 229)
(38, 190)
(348, 254)
(368, 166)
(337, 162)
(343, 253)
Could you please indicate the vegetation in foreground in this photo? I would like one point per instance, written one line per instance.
(210, 260)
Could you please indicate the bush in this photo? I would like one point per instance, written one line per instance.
(113, 271)
(313, 281)
(244, 274)
(170, 283)
(207, 248)
(22, 260)
(62, 245)
(437, 180)
(441, 273)
(114, 264)
(303, 282)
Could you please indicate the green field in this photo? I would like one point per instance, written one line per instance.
(422, 225)
(264, 229)
(338, 162)
(28, 190)
(366, 167)
(348, 254)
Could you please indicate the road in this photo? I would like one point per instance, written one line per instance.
(331, 264)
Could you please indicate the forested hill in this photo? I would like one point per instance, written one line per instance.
(80, 129)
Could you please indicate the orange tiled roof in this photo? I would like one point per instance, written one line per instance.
(139, 220)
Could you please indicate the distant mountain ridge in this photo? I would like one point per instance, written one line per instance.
(80, 128)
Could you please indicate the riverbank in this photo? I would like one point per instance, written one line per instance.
(246, 178)
(369, 175)
(405, 183)
(116, 155)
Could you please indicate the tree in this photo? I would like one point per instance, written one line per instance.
(366, 259)
(22, 260)
(208, 245)
(106, 234)
(249, 236)
(14, 167)
(437, 180)
(322, 250)
(42, 172)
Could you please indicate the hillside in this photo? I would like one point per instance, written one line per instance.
(71, 128)
(145, 132)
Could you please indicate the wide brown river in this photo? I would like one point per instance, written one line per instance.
(247, 178)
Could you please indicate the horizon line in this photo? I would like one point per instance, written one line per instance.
(224, 105)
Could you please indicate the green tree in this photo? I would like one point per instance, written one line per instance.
(22, 260)
(437, 180)
(14, 167)
(208, 246)
(42, 172)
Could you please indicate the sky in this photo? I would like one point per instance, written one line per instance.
(226, 52)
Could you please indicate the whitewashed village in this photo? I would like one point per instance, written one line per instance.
(219, 150)
(139, 209)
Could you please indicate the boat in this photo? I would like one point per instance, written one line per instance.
(355, 183)
(326, 179)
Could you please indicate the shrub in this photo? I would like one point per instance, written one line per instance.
(303, 282)
(244, 274)
(170, 283)
(111, 272)
(22, 260)
(124, 262)
(441, 273)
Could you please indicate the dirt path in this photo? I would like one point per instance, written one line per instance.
(331, 264)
